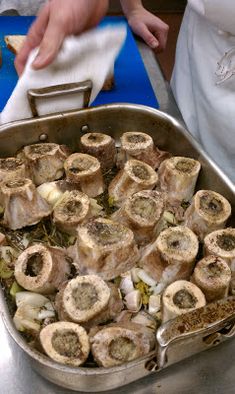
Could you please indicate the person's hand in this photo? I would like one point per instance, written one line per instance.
(146, 25)
(56, 20)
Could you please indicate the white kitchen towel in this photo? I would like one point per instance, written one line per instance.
(89, 56)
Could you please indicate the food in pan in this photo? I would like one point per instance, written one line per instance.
(208, 212)
(212, 275)
(101, 146)
(95, 258)
(181, 297)
(221, 243)
(143, 214)
(42, 268)
(121, 342)
(12, 167)
(178, 176)
(45, 162)
(85, 170)
(171, 256)
(22, 205)
(134, 177)
(140, 146)
(106, 248)
(65, 342)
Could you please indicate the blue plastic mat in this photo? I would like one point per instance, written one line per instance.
(131, 79)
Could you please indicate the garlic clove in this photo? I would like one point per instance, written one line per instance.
(133, 301)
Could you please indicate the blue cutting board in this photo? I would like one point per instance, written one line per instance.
(132, 84)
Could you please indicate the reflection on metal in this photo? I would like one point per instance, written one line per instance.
(58, 91)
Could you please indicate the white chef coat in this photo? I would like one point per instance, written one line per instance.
(207, 37)
(23, 7)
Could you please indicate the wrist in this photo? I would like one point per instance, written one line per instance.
(131, 6)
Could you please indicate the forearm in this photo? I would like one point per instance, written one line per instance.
(129, 6)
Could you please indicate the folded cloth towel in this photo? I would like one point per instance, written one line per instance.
(89, 56)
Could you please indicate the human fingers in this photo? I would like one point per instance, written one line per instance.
(33, 39)
(161, 33)
(50, 45)
(142, 30)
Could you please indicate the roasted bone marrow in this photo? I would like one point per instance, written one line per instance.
(134, 177)
(172, 256)
(181, 297)
(93, 260)
(11, 168)
(140, 146)
(66, 343)
(212, 275)
(22, 204)
(120, 343)
(42, 269)
(45, 162)
(85, 170)
(142, 213)
(105, 248)
(208, 212)
(101, 146)
(178, 177)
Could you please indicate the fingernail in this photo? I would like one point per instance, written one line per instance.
(39, 61)
(154, 44)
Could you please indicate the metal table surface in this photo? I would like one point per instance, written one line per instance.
(211, 372)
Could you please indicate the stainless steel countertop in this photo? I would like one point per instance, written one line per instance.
(211, 372)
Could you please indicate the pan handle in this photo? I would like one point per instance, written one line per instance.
(217, 317)
(57, 91)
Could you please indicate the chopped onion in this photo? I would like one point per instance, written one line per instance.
(146, 278)
(126, 285)
(159, 288)
(95, 208)
(44, 313)
(50, 192)
(145, 319)
(133, 301)
(134, 274)
(8, 254)
(154, 303)
(31, 299)
(25, 318)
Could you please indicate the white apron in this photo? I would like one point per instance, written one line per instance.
(204, 90)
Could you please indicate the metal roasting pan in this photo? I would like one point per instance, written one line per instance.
(177, 339)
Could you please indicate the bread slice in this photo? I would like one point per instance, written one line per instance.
(14, 42)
